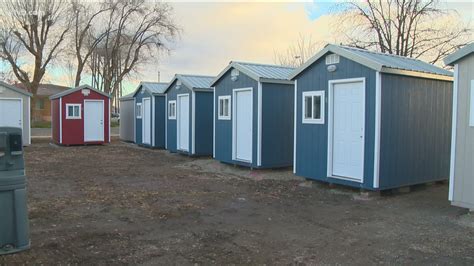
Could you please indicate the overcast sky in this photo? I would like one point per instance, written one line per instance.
(214, 33)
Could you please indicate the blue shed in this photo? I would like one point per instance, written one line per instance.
(150, 109)
(371, 120)
(189, 115)
(253, 117)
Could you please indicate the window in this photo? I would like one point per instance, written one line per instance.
(172, 110)
(139, 110)
(73, 111)
(313, 107)
(39, 104)
(332, 59)
(224, 107)
(471, 113)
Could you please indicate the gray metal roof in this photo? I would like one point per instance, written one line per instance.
(127, 97)
(381, 62)
(459, 54)
(192, 81)
(72, 90)
(13, 88)
(259, 72)
(154, 87)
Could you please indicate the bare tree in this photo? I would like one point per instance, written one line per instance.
(86, 36)
(298, 53)
(32, 31)
(412, 28)
(138, 31)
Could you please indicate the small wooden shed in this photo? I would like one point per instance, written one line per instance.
(371, 120)
(80, 116)
(15, 109)
(253, 117)
(461, 182)
(150, 108)
(127, 118)
(189, 115)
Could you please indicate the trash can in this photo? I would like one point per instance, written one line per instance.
(14, 229)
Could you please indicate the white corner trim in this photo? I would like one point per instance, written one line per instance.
(193, 121)
(152, 109)
(29, 120)
(166, 121)
(110, 121)
(60, 120)
(214, 123)
(378, 121)
(259, 124)
(295, 125)
(452, 165)
(134, 120)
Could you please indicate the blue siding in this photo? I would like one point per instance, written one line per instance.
(312, 139)
(159, 120)
(415, 130)
(277, 125)
(203, 123)
(223, 134)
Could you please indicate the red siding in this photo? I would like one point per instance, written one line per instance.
(55, 120)
(73, 129)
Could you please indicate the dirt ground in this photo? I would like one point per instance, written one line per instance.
(120, 204)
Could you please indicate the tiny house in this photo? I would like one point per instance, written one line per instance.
(150, 108)
(371, 120)
(253, 116)
(461, 185)
(15, 109)
(80, 116)
(127, 118)
(189, 115)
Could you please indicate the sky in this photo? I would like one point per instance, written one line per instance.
(217, 32)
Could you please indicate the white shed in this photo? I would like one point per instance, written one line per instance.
(127, 118)
(461, 182)
(15, 109)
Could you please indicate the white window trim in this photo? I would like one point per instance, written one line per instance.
(471, 105)
(73, 105)
(170, 116)
(323, 107)
(229, 108)
(139, 116)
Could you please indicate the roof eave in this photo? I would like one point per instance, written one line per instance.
(451, 59)
(277, 81)
(416, 74)
(16, 89)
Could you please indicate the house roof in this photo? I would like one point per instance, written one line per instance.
(50, 89)
(386, 63)
(192, 81)
(127, 97)
(13, 88)
(72, 90)
(459, 54)
(259, 72)
(152, 87)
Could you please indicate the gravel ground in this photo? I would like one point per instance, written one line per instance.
(46, 132)
(120, 204)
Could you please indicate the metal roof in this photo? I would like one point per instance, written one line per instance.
(155, 87)
(72, 90)
(259, 72)
(192, 81)
(459, 54)
(13, 88)
(381, 62)
(127, 97)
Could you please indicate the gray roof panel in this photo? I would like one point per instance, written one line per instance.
(196, 82)
(459, 54)
(268, 71)
(154, 87)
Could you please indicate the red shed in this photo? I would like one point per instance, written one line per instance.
(80, 116)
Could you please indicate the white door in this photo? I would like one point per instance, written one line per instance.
(146, 121)
(11, 113)
(348, 130)
(93, 120)
(242, 125)
(183, 122)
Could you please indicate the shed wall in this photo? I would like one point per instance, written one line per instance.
(127, 120)
(464, 164)
(312, 139)
(223, 128)
(55, 125)
(160, 105)
(9, 94)
(203, 123)
(415, 140)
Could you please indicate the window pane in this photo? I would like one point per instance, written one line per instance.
(226, 107)
(70, 110)
(221, 107)
(76, 111)
(308, 106)
(317, 107)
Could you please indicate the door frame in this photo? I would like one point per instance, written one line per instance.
(103, 119)
(331, 84)
(178, 130)
(21, 109)
(143, 121)
(234, 124)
